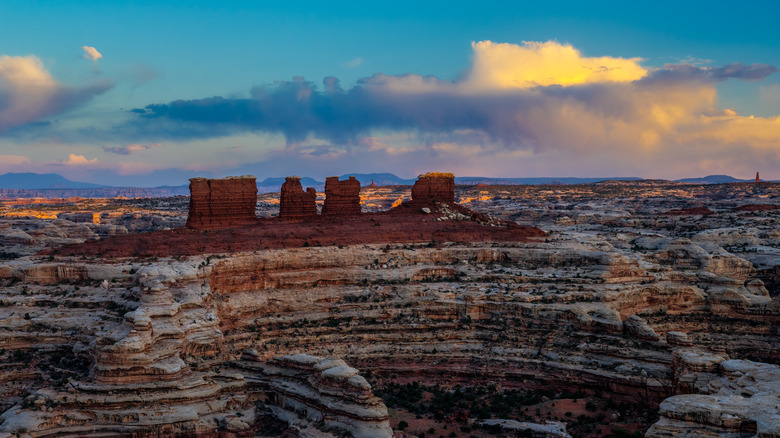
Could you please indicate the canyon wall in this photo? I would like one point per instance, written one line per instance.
(222, 203)
(342, 198)
(294, 203)
(432, 187)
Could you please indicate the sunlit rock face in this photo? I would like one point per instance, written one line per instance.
(222, 203)
(342, 198)
(294, 203)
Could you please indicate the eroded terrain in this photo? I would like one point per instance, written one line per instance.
(637, 311)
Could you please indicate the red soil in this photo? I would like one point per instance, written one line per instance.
(757, 207)
(404, 224)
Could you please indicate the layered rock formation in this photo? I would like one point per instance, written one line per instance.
(432, 187)
(294, 203)
(631, 308)
(222, 203)
(342, 198)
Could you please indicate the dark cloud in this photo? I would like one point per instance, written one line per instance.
(752, 72)
(128, 149)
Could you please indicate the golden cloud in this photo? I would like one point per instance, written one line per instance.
(533, 64)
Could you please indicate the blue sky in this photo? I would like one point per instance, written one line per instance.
(156, 54)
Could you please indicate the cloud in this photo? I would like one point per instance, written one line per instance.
(78, 160)
(532, 64)
(354, 63)
(91, 53)
(546, 99)
(770, 95)
(29, 93)
(8, 163)
(130, 149)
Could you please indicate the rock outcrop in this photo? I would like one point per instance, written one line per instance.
(222, 203)
(434, 187)
(305, 388)
(294, 203)
(732, 398)
(342, 198)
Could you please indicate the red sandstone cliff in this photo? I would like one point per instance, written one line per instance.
(342, 198)
(294, 203)
(434, 186)
(222, 203)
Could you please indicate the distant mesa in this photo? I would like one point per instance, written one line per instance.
(222, 203)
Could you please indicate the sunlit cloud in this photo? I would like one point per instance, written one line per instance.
(28, 92)
(79, 160)
(10, 163)
(533, 64)
(91, 53)
(541, 102)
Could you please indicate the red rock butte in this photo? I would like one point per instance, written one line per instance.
(294, 203)
(431, 216)
(432, 187)
(222, 203)
(342, 198)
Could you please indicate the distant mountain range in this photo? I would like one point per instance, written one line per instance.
(714, 179)
(52, 185)
(29, 181)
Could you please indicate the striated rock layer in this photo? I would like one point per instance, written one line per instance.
(342, 198)
(222, 203)
(294, 203)
(199, 350)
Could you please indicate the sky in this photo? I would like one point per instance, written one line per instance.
(146, 94)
